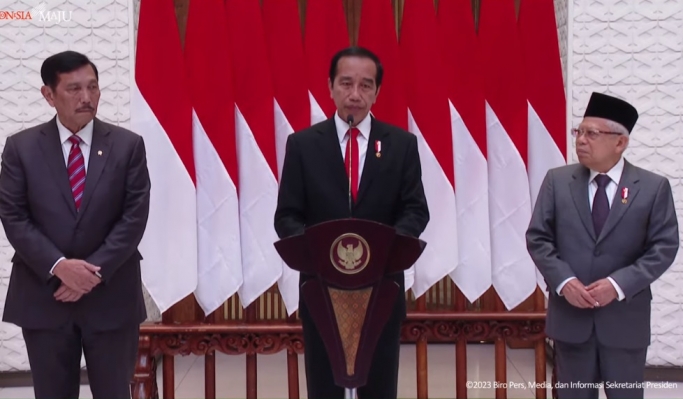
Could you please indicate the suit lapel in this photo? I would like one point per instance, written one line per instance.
(331, 150)
(372, 162)
(99, 153)
(51, 146)
(579, 190)
(629, 179)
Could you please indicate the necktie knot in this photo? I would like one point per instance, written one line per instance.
(602, 180)
(75, 140)
(354, 132)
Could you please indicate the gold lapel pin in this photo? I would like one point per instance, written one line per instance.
(99, 153)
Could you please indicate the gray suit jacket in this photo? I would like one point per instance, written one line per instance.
(637, 245)
(41, 223)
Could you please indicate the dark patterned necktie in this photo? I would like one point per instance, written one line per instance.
(76, 169)
(600, 203)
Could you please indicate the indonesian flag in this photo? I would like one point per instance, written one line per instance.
(429, 119)
(255, 131)
(162, 113)
(468, 123)
(213, 132)
(513, 272)
(292, 106)
(377, 33)
(545, 90)
(545, 93)
(325, 34)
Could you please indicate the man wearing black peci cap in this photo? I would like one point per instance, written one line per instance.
(602, 231)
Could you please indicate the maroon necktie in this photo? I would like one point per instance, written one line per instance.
(76, 169)
(600, 203)
(352, 156)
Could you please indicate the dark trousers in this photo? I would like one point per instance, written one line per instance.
(619, 371)
(55, 360)
(383, 377)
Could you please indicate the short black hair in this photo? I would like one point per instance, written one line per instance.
(64, 62)
(361, 52)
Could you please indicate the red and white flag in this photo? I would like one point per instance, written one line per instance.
(429, 119)
(377, 33)
(465, 85)
(545, 94)
(292, 106)
(545, 90)
(215, 154)
(513, 272)
(162, 113)
(325, 34)
(255, 131)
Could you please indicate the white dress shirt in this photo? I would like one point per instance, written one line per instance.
(86, 142)
(364, 128)
(611, 190)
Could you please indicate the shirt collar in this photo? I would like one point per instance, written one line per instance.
(342, 127)
(85, 134)
(614, 173)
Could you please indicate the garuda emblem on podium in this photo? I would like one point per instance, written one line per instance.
(350, 253)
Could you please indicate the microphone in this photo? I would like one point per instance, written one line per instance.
(349, 120)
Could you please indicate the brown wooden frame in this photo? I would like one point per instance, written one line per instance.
(263, 338)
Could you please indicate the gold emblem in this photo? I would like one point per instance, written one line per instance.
(99, 153)
(350, 253)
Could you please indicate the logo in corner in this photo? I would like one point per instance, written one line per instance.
(350, 253)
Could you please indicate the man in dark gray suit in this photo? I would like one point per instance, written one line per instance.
(74, 200)
(602, 231)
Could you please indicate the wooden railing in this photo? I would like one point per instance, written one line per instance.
(442, 315)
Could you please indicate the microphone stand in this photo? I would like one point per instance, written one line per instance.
(350, 393)
(349, 120)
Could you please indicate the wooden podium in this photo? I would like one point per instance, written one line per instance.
(351, 295)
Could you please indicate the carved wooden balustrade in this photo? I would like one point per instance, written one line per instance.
(442, 315)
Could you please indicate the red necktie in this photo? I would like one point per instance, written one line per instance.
(352, 157)
(76, 169)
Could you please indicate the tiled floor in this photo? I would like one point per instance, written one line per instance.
(272, 382)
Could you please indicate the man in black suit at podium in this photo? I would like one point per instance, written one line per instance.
(384, 185)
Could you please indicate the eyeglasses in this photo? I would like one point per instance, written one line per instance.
(592, 134)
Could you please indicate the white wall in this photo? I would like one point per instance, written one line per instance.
(634, 50)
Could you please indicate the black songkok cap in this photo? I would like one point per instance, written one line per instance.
(612, 108)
